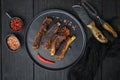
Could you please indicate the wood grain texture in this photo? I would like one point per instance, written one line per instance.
(39, 6)
(109, 9)
(98, 5)
(118, 8)
(44, 74)
(0, 45)
(16, 65)
(109, 13)
(19, 66)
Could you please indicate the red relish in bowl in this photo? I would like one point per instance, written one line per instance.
(16, 24)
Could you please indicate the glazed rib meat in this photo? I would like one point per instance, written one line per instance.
(62, 50)
(62, 34)
(48, 36)
(43, 28)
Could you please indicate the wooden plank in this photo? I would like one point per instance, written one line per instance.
(109, 9)
(44, 74)
(39, 6)
(16, 65)
(0, 46)
(97, 4)
(109, 13)
(118, 8)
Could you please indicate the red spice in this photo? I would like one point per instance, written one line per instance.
(16, 24)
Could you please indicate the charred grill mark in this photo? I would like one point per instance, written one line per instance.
(60, 37)
(43, 28)
(47, 38)
(62, 50)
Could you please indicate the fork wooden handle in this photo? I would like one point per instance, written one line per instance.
(97, 33)
(110, 29)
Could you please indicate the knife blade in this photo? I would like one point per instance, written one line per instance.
(89, 23)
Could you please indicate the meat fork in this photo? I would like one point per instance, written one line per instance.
(91, 11)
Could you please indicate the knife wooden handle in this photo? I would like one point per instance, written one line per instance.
(110, 29)
(97, 33)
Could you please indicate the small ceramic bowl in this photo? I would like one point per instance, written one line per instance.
(13, 43)
(16, 23)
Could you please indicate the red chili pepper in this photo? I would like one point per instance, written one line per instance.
(44, 60)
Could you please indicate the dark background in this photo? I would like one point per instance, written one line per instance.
(18, 65)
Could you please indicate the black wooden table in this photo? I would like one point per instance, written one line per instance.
(19, 66)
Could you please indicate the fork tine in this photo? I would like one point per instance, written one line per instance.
(89, 8)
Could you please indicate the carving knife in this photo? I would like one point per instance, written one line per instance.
(91, 11)
(89, 23)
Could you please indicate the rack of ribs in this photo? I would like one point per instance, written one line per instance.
(59, 38)
(48, 36)
(43, 28)
(63, 48)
